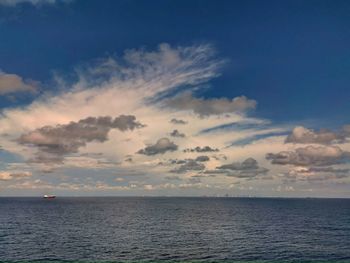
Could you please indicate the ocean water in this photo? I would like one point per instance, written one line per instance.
(174, 229)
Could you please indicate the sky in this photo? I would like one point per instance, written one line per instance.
(174, 98)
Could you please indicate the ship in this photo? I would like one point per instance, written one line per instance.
(49, 196)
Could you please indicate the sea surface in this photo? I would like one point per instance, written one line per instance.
(174, 229)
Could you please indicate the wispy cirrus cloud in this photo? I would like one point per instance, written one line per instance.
(69, 131)
(33, 2)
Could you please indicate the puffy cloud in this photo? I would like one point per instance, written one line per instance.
(189, 165)
(131, 89)
(128, 158)
(220, 157)
(177, 161)
(310, 156)
(249, 168)
(247, 164)
(199, 149)
(163, 145)
(178, 121)
(304, 135)
(128, 86)
(7, 176)
(206, 107)
(176, 133)
(202, 158)
(55, 141)
(12, 83)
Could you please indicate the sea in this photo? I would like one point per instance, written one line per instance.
(174, 229)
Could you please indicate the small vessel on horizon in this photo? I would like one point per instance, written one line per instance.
(49, 196)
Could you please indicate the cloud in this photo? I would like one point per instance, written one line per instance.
(119, 179)
(7, 176)
(310, 156)
(12, 83)
(199, 149)
(176, 133)
(194, 180)
(177, 121)
(202, 158)
(312, 174)
(256, 137)
(346, 130)
(204, 174)
(128, 86)
(249, 168)
(190, 165)
(128, 159)
(156, 74)
(304, 135)
(33, 2)
(214, 172)
(163, 145)
(85, 162)
(55, 141)
(324, 177)
(173, 178)
(327, 170)
(206, 107)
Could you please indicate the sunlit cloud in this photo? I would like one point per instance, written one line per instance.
(139, 115)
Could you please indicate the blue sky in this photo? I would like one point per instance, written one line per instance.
(291, 58)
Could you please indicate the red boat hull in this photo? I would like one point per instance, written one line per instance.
(49, 197)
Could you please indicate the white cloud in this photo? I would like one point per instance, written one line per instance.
(136, 86)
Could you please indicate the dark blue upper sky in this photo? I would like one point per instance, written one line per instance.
(293, 57)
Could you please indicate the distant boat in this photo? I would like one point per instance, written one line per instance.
(49, 196)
